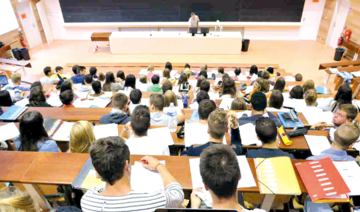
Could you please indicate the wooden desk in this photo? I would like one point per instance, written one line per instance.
(100, 37)
(352, 47)
(339, 80)
(4, 49)
(338, 64)
(15, 164)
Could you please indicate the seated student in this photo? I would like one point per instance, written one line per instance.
(170, 97)
(67, 98)
(143, 83)
(237, 71)
(308, 85)
(130, 82)
(205, 86)
(276, 100)
(206, 106)
(80, 76)
(203, 73)
(66, 85)
(102, 78)
(150, 70)
(253, 73)
(140, 143)
(217, 127)
(15, 200)
(87, 86)
(266, 131)
(280, 84)
(5, 99)
(260, 85)
(16, 83)
(298, 77)
(238, 104)
(310, 98)
(343, 96)
(297, 92)
(220, 173)
(228, 89)
(168, 65)
(187, 71)
(167, 76)
(120, 78)
(81, 137)
(111, 160)
(120, 111)
(155, 87)
(198, 83)
(33, 136)
(135, 98)
(199, 97)
(48, 79)
(258, 104)
(75, 69)
(96, 87)
(110, 84)
(167, 86)
(187, 65)
(93, 71)
(60, 74)
(37, 98)
(184, 85)
(158, 118)
(270, 69)
(221, 71)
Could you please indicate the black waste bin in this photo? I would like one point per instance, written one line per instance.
(25, 53)
(16, 53)
(245, 45)
(339, 53)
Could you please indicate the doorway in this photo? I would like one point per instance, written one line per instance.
(28, 21)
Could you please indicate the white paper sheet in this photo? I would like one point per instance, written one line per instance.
(127, 92)
(247, 179)
(254, 77)
(106, 130)
(316, 115)
(143, 179)
(214, 96)
(23, 102)
(231, 73)
(54, 100)
(289, 79)
(226, 103)
(8, 131)
(317, 144)
(248, 135)
(242, 77)
(334, 70)
(143, 71)
(249, 89)
(294, 103)
(196, 133)
(82, 95)
(63, 133)
(95, 103)
(356, 73)
(350, 172)
(165, 137)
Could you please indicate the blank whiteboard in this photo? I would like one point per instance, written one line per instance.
(8, 21)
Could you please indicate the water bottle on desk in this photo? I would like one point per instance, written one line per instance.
(185, 99)
(172, 125)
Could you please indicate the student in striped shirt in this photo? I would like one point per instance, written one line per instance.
(111, 160)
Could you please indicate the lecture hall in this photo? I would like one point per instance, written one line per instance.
(177, 106)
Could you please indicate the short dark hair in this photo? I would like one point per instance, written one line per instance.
(350, 110)
(101, 76)
(67, 97)
(93, 71)
(66, 85)
(217, 123)
(260, 74)
(276, 99)
(200, 79)
(109, 156)
(120, 74)
(237, 71)
(266, 129)
(297, 92)
(183, 78)
(140, 120)
(166, 73)
(155, 79)
(205, 86)
(280, 84)
(135, 96)
(130, 81)
(270, 69)
(36, 84)
(221, 70)
(167, 85)
(120, 100)
(344, 94)
(298, 77)
(58, 68)
(158, 101)
(187, 65)
(253, 70)
(96, 86)
(203, 73)
(75, 69)
(80, 69)
(201, 96)
(37, 96)
(168, 65)
(258, 101)
(220, 171)
(47, 70)
(266, 75)
(206, 106)
(5, 98)
(88, 79)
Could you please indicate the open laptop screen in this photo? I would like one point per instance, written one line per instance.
(3, 80)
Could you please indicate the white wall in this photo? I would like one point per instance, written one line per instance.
(308, 31)
(339, 21)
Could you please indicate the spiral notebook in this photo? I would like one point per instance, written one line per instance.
(12, 113)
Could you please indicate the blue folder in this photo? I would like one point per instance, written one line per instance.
(289, 123)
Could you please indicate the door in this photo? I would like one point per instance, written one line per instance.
(29, 24)
(44, 21)
(326, 21)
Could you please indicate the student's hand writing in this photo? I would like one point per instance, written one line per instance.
(150, 162)
(195, 200)
(319, 126)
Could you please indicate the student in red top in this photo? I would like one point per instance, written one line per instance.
(67, 98)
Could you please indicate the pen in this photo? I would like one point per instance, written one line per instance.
(102, 209)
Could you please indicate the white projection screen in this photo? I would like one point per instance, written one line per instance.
(8, 20)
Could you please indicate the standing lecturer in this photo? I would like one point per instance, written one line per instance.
(194, 21)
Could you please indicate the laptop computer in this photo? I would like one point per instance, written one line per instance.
(3, 80)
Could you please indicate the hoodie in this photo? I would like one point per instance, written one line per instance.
(159, 119)
(115, 118)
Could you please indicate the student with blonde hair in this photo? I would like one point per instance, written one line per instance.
(12, 199)
(81, 137)
(308, 85)
(310, 98)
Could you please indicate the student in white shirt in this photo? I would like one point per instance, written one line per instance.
(158, 117)
(47, 80)
(343, 96)
(140, 143)
(135, 98)
(87, 86)
(111, 160)
(220, 172)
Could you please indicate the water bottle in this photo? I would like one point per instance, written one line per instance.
(172, 125)
(185, 99)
